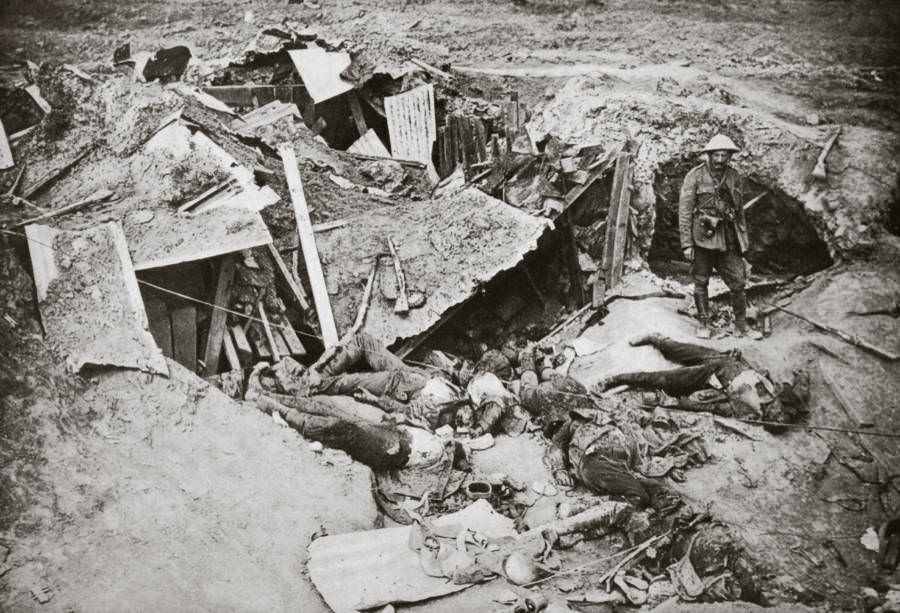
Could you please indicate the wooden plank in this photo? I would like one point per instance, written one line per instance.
(296, 289)
(267, 329)
(6, 156)
(241, 344)
(356, 110)
(308, 244)
(160, 326)
(613, 215)
(260, 343)
(295, 347)
(280, 343)
(231, 354)
(243, 95)
(184, 336)
(402, 304)
(572, 259)
(218, 319)
(621, 235)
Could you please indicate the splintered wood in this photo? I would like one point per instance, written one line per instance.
(617, 221)
(411, 124)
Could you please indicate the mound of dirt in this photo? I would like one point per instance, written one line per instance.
(134, 492)
(850, 209)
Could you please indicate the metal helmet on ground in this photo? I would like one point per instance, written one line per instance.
(720, 142)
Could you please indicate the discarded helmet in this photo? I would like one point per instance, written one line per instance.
(720, 142)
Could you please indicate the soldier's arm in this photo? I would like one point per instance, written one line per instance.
(686, 201)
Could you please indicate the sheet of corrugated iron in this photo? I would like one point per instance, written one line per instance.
(362, 570)
(411, 124)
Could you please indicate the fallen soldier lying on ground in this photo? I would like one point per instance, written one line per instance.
(596, 445)
(426, 397)
(745, 391)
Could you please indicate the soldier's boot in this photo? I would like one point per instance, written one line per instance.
(701, 300)
(739, 304)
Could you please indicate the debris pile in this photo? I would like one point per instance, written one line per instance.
(421, 280)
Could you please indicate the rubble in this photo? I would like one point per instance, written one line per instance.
(442, 301)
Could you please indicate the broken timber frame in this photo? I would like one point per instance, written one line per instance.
(217, 322)
(295, 288)
(308, 245)
(617, 222)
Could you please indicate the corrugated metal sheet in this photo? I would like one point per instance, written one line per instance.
(370, 144)
(362, 570)
(411, 124)
(449, 246)
(89, 299)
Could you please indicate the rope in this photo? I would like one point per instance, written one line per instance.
(755, 422)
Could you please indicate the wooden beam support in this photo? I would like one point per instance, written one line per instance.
(241, 344)
(244, 95)
(617, 221)
(296, 289)
(231, 354)
(356, 110)
(184, 336)
(219, 316)
(624, 210)
(267, 329)
(308, 244)
(160, 326)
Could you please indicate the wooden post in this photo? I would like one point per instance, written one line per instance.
(184, 335)
(616, 216)
(298, 292)
(241, 344)
(217, 320)
(231, 354)
(308, 244)
(267, 329)
(618, 256)
(356, 110)
(571, 249)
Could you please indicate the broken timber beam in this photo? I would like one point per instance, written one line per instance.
(308, 245)
(231, 354)
(295, 288)
(217, 322)
(356, 110)
(402, 305)
(241, 344)
(184, 336)
(257, 95)
(617, 221)
(267, 329)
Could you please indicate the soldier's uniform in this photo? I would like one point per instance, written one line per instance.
(711, 221)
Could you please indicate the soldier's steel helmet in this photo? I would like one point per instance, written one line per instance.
(720, 142)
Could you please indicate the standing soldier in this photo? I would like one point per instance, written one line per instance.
(713, 231)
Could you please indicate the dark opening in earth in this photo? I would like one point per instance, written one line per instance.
(783, 240)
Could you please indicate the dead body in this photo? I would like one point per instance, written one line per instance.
(746, 392)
